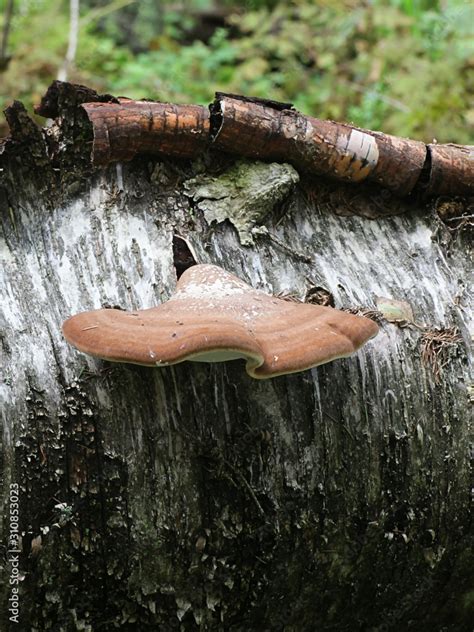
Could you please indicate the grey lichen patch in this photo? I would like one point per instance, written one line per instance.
(245, 194)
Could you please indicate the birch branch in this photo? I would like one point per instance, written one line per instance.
(271, 131)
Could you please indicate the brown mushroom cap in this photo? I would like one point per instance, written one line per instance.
(214, 316)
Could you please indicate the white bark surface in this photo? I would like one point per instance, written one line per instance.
(200, 498)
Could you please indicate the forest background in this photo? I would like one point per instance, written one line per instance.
(404, 67)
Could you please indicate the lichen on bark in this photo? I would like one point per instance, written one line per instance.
(244, 194)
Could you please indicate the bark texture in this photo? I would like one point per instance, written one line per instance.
(269, 130)
(193, 497)
(321, 147)
(131, 128)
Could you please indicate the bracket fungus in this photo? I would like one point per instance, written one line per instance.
(214, 316)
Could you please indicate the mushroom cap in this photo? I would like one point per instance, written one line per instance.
(214, 316)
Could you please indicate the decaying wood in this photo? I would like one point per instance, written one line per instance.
(451, 170)
(321, 147)
(121, 131)
(269, 130)
(192, 498)
(61, 94)
(339, 150)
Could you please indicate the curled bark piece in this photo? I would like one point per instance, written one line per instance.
(452, 170)
(132, 127)
(258, 129)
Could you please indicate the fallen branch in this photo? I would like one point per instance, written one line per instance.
(270, 131)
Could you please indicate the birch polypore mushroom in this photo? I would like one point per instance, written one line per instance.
(214, 316)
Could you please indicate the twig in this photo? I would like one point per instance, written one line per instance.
(73, 38)
(4, 59)
(264, 232)
(96, 14)
(452, 219)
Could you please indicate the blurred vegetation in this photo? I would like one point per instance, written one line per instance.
(405, 67)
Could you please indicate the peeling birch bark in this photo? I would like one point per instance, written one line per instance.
(193, 497)
(319, 147)
(141, 127)
(270, 131)
(451, 170)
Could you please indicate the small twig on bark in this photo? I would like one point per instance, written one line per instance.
(460, 217)
(242, 478)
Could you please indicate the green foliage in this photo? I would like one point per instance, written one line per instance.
(406, 67)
